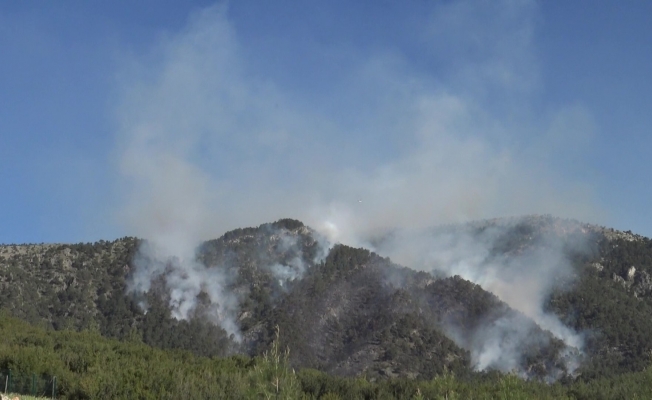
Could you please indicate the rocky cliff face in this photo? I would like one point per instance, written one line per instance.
(639, 283)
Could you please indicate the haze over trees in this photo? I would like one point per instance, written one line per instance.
(345, 311)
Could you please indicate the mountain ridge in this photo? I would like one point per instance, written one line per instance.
(366, 307)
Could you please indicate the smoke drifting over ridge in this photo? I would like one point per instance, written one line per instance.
(523, 279)
(208, 142)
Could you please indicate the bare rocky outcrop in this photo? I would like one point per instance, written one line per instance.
(642, 284)
(614, 234)
(639, 283)
(598, 266)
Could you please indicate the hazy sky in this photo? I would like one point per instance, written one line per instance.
(113, 115)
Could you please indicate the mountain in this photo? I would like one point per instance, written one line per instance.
(350, 311)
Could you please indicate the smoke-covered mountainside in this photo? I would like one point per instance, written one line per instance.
(544, 297)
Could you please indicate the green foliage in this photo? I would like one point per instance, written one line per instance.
(603, 304)
(88, 366)
(353, 314)
(272, 376)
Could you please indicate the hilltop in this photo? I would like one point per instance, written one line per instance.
(349, 311)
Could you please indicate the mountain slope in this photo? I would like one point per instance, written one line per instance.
(347, 311)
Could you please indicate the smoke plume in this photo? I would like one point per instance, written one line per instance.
(209, 140)
(524, 278)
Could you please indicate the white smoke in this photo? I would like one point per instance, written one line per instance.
(524, 280)
(185, 278)
(285, 273)
(295, 267)
(295, 262)
(208, 142)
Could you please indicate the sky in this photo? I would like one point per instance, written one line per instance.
(158, 117)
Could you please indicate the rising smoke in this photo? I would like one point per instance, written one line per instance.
(523, 278)
(293, 268)
(209, 142)
(186, 278)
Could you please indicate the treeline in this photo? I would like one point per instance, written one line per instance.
(88, 366)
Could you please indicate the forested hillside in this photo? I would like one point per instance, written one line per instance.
(347, 311)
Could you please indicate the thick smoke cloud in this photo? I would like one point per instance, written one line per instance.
(185, 278)
(207, 143)
(523, 278)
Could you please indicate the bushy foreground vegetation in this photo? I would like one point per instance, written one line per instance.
(88, 366)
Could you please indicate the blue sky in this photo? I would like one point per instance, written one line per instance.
(121, 119)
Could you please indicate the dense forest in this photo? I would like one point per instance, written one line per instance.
(88, 366)
(355, 323)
